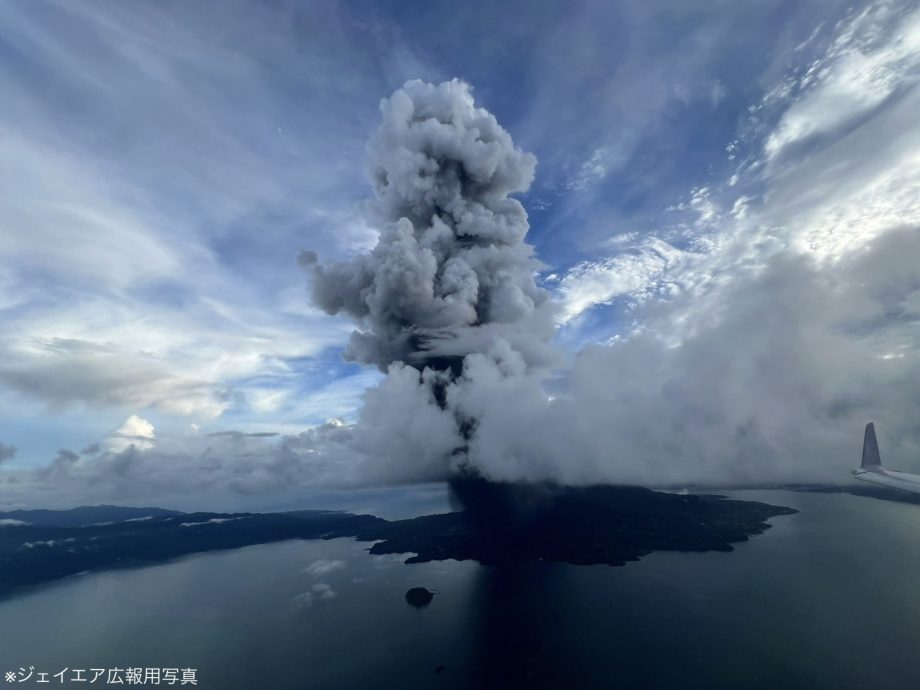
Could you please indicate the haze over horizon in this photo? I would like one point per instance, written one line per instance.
(723, 206)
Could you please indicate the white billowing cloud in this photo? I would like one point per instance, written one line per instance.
(401, 435)
(776, 387)
(135, 426)
(135, 431)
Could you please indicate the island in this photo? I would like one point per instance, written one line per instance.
(498, 524)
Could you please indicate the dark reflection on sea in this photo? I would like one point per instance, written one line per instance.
(828, 598)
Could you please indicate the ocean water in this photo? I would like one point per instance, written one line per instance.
(827, 598)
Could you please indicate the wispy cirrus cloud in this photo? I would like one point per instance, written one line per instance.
(874, 57)
(632, 275)
(159, 183)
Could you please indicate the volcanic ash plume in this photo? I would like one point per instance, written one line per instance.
(451, 272)
(449, 289)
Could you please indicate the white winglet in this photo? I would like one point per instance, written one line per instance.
(871, 469)
(870, 455)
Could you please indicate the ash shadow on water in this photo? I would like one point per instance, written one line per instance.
(517, 628)
(540, 625)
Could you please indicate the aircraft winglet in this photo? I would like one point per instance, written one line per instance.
(870, 455)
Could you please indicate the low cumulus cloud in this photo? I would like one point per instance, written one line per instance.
(323, 567)
(135, 431)
(324, 591)
(9, 522)
(319, 592)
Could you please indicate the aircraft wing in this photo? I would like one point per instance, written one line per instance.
(872, 471)
(895, 480)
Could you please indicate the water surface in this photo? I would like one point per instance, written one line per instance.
(827, 598)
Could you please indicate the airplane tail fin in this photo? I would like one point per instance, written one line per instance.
(870, 455)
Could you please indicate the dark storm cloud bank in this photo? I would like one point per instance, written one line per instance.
(512, 524)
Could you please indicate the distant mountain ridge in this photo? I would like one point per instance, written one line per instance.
(84, 516)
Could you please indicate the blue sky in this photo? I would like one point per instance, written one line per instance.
(163, 164)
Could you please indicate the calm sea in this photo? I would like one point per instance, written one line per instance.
(828, 598)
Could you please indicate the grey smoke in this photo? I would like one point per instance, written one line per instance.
(451, 271)
(6, 452)
(451, 276)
